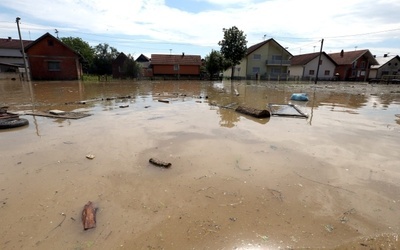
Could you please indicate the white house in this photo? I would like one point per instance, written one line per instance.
(305, 66)
(388, 65)
(266, 60)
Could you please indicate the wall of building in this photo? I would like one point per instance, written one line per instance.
(50, 50)
(253, 62)
(169, 70)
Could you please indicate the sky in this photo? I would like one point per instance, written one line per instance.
(195, 27)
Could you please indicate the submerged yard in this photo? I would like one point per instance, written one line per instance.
(331, 180)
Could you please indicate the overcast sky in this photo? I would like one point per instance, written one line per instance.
(195, 26)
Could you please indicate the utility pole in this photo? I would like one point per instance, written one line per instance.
(23, 51)
(319, 60)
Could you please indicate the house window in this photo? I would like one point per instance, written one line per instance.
(257, 56)
(53, 65)
(385, 72)
(50, 42)
(275, 70)
(256, 70)
(327, 72)
(276, 57)
(176, 67)
(363, 65)
(311, 72)
(354, 65)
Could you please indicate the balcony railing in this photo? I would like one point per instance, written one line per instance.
(278, 62)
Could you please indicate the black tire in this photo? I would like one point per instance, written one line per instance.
(13, 123)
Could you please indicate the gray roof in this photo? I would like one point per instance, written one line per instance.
(10, 53)
(382, 60)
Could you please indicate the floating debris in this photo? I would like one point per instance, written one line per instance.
(56, 112)
(90, 156)
(160, 163)
(253, 112)
(89, 216)
(289, 110)
(299, 97)
(329, 228)
(65, 115)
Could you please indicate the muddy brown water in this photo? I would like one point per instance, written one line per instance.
(330, 181)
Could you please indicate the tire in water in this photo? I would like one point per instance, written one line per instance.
(13, 123)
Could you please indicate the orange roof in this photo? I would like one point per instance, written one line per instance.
(175, 59)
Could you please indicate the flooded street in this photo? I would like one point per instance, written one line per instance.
(329, 181)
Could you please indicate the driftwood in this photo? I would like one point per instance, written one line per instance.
(163, 100)
(160, 163)
(253, 112)
(89, 216)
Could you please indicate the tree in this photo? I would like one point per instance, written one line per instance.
(233, 46)
(83, 48)
(131, 69)
(214, 63)
(104, 55)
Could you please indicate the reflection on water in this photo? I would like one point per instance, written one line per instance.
(73, 95)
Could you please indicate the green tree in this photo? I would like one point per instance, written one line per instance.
(214, 63)
(233, 46)
(131, 68)
(104, 55)
(83, 48)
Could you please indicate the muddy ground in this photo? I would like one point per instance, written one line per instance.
(330, 181)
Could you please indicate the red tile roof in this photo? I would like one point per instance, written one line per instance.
(6, 43)
(303, 59)
(348, 57)
(175, 59)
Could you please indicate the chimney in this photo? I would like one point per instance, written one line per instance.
(341, 53)
(385, 55)
(183, 54)
(9, 38)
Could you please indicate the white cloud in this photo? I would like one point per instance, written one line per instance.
(283, 20)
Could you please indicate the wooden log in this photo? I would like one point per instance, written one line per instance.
(163, 100)
(160, 163)
(89, 216)
(253, 112)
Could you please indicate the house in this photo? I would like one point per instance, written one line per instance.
(305, 66)
(10, 51)
(266, 60)
(388, 66)
(144, 63)
(177, 66)
(11, 59)
(51, 59)
(118, 66)
(353, 65)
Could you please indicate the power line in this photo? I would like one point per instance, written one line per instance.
(334, 37)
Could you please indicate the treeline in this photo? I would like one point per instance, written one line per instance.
(98, 60)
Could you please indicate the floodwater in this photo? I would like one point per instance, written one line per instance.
(329, 181)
